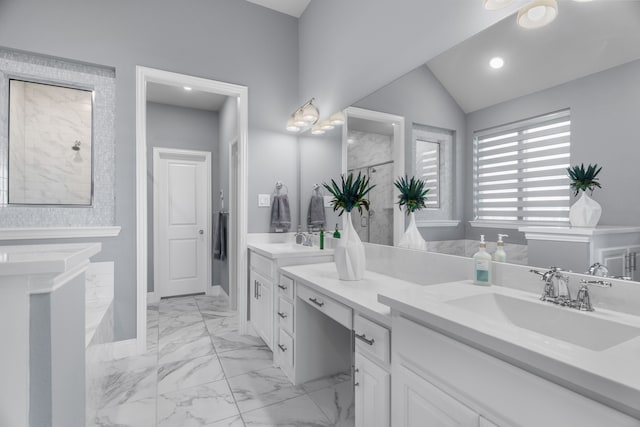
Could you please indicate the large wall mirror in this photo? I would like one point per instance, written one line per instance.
(586, 62)
(50, 144)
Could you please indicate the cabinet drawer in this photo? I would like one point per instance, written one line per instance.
(372, 338)
(338, 312)
(285, 314)
(285, 287)
(285, 348)
(262, 265)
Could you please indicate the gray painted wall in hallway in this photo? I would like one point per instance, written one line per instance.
(226, 40)
(185, 128)
(604, 115)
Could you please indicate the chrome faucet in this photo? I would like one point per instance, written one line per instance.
(598, 269)
(556, 286)
(583, 300)
(306, 239)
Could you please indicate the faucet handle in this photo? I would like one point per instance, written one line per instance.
(583, 300)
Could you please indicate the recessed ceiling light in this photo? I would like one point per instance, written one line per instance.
(496, 4)
(187, 88)
(538, 13)
(496, 63)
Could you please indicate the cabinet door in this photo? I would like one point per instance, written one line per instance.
(372, 389)
(615, 260)
(262, 316)
(418, 403)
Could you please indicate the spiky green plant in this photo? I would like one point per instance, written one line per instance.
(350, 194)
(412, 195)
(584, 179)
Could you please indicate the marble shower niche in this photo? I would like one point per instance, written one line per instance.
(50, 132)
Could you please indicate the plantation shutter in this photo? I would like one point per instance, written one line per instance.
(520, 171)
(428, 169)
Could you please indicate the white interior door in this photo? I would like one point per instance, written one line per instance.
(182, 218)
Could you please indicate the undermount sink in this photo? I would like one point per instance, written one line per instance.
(561, 323)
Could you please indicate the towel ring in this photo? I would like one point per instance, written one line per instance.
(277, 191)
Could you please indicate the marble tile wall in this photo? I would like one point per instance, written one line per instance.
(367, 149)
(101, 80)
(45, 122)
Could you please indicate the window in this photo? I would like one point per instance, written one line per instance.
(520, 171)
(433, 154)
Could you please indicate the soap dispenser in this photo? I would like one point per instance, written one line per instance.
(482, 265)
(500, 255)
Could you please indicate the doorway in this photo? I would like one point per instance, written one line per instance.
(182, 221)
(237, 260)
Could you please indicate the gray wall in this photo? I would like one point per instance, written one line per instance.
(57, 356)
(604, 129)
(227, 40)
(420, 98)
(184, 128)
(348, 49)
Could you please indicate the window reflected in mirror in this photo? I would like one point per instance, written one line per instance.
(50, 144)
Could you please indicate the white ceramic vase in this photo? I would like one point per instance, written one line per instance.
(349, 253)
(412, 239)
(585, 212)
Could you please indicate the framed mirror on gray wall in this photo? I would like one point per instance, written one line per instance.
(50, 144)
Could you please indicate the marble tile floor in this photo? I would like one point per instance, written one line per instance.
(198, 371)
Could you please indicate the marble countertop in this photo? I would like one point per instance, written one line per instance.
(287, 250)
(44, 259)
(362, 295)
(610, 375)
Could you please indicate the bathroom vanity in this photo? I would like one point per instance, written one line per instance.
(424, 350)
(43, 334)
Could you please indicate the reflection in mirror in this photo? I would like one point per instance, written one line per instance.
(371, 150)
(50, 144)
(586, 62)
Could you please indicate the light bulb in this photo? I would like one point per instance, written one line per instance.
(337, 119)
(538, 13)
(291, 126)
(310, 113)
(496, 4)
(316, 130)
(326, 125)
(297, 118)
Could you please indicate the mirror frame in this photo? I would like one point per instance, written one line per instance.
(398, 154)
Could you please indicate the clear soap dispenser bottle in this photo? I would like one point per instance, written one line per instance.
(482, 265)
(500, 255)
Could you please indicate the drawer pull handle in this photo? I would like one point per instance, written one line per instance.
(284, 288)
(283, 315)
(316, 302)
(282, 347)
(364, 338)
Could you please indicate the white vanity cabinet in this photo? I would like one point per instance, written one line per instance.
(265, 293)
(372, 376)
(438, 380)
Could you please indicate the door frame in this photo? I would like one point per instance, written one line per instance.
(158, 153)
(398, 154)
(241, 93)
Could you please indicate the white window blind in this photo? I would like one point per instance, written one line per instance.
(428, 169)
(520, 171)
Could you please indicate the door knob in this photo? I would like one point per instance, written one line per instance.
(201, 231)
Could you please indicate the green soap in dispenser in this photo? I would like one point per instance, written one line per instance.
(482, 265)
(500, 255)
(336, 234)
(321, 237)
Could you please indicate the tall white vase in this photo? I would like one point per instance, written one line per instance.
(585, 212)
(412, 239)
(349, 253)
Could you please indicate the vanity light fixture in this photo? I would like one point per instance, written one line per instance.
(496, 63)
(538, 13)
(305, 115)
(337, 119)
(496, 4)
(326, 125)
(317, 130)
(187, 88)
